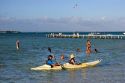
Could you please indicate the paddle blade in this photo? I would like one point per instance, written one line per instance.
(49, 49)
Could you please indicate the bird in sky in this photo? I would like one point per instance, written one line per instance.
(75, 6)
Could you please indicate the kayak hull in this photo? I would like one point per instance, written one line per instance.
(82, 65)
(92, 63)
(67, 66)
(46, 67)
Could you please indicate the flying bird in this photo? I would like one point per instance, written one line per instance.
(75, 6)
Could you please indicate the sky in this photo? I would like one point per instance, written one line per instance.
(62, 15)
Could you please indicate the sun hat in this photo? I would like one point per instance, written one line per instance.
(72, 56)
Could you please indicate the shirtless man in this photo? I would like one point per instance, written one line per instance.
(88, 47)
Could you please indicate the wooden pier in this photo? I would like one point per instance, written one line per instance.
(77, 35)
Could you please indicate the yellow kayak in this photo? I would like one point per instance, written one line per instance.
(67, 66)
(82, 65)
(92, 63)
(47, 67)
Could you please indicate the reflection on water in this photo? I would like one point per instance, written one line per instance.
(77, 75)
(72, 76)
(84, 73)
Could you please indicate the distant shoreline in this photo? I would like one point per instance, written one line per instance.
(10, 32)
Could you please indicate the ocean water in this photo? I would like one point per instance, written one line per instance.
(15, 64)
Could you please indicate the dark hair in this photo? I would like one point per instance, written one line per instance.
(50, 56)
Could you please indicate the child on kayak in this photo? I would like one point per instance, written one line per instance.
(50, 61)
(62, 57)
(72, 59)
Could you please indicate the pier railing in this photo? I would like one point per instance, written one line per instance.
(108, 36)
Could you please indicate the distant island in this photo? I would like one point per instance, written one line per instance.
(10, 32)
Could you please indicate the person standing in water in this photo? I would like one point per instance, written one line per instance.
(17, 44)
(88, 47)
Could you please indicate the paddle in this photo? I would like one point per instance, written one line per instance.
(49, 49)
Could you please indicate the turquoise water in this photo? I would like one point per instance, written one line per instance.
(15, 64)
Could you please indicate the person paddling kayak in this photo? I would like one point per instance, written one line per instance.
(72, 59)
(50, 61)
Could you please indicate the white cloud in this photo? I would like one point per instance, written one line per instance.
(103, 18)
(63, 24)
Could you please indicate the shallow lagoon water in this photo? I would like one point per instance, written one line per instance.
(15, 64)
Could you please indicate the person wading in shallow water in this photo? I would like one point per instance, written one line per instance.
(88, 47)
(17, 44)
